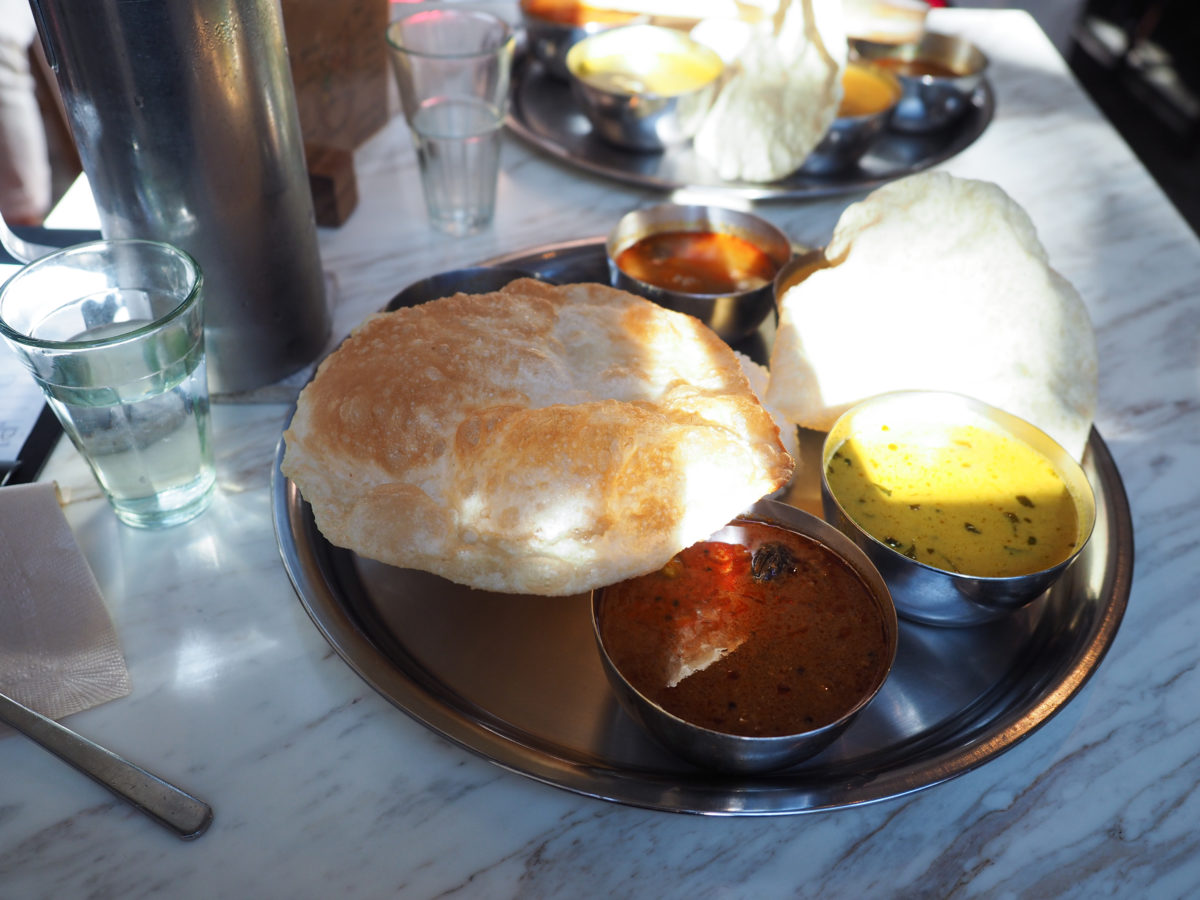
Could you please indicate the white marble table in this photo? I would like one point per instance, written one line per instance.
(323, 788)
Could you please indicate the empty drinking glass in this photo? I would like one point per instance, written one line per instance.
(452, 68)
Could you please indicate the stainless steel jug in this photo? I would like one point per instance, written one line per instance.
(185, 118)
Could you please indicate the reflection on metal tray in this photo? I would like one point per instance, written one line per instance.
(544, 113)
(517, 679)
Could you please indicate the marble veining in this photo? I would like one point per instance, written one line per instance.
(322, 788)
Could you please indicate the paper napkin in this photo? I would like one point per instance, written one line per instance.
(59, 653)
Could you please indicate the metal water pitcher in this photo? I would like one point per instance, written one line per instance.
(184, 115)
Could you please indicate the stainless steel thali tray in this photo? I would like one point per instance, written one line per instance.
(544, 113)
(516, 679)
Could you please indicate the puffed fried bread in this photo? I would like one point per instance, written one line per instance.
(538, 439)
(781, 94)
(935, 282)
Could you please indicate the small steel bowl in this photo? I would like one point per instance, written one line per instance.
(929, 101)
(803, 264)
(732, 316)
(935, 596)
(727, 752)
(623, 106)
(549, 38)
(850, 137)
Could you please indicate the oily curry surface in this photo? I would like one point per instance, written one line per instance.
(572, 12)
(799, 638)
(964, 498)
(698, 262)
(864, 93)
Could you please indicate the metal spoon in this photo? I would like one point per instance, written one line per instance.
(171, 807)
(164, 803)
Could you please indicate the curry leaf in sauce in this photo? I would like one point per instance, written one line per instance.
(944, 495)
(798, 649)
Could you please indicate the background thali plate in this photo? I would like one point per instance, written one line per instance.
(544, 113)
(516, 679)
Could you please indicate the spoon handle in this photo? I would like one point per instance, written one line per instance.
(166, 804)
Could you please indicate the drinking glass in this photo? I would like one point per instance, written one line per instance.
(452, 68)
(113, 333)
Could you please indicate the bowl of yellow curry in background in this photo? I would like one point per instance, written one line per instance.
(968, 512)
(643, 87)
(553, 27)
(870, 94)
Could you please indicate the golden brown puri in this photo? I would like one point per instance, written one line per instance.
(538, 439)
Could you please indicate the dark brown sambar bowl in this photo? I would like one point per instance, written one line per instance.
(727, 752)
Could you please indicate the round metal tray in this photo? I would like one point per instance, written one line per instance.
(544, 113)
(517, 680)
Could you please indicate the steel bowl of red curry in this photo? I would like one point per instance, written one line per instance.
(753, 650)
(710, 262)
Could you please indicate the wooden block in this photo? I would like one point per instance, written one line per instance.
(333, 183)
(340, 68)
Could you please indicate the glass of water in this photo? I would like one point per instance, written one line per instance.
(452, 67)
(113, 332)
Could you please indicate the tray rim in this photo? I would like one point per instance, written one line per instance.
(516, 120)
(781, 794)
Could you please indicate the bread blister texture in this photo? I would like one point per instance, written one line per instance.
(540, 439)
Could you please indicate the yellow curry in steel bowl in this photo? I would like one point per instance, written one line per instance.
(957, 497)
(969, 512)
